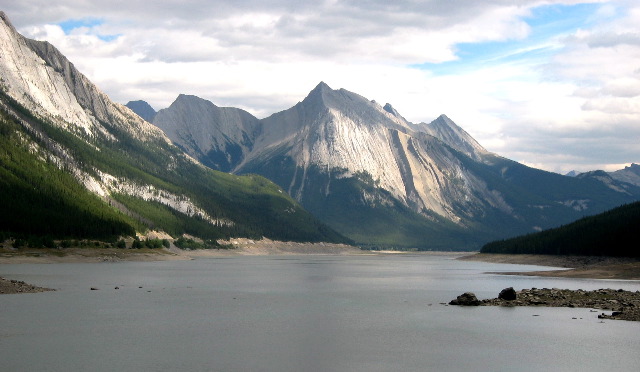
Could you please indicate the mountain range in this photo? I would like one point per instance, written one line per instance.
(74, 164)
(335, 167)
(367, 172)
(630, 174)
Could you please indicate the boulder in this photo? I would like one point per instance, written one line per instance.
(466, 299)
(507, 294)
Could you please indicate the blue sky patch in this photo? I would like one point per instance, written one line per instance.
(90, 23)
(72, 24)
(547, 23)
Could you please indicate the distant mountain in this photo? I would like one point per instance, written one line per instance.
(220, 137)
(612, 233)
(630, 174)
(143, 109)
(382, 181)
(75, 164)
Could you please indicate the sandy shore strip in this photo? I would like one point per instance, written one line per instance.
(237, 247)
(265, 247)
(84, 255)
(591, 267)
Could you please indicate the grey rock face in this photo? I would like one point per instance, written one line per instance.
(346, 134)
(630, 174)
(220, 137)
(32, 70)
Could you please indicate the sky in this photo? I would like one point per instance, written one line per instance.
(553, 84)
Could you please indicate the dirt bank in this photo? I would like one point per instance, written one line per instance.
(594, 267)
(87, 255)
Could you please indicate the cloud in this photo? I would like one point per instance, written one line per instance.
(524, 78)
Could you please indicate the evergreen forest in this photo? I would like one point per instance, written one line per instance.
(612, 233)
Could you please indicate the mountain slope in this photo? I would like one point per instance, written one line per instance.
(607, 234)
(126, 169)
(383, 181)
(28, 182)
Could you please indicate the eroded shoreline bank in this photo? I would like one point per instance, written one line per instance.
(585, 267)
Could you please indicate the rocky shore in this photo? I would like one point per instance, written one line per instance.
(8, 286)
(623, 305)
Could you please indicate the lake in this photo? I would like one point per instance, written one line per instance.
(300, 313)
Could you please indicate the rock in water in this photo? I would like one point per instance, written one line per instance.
(466, 299)
(507, 294)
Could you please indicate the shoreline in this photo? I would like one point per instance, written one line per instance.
(578, 267)
(587, 267)
(239, 247)
(10, 286)
(623, 305)
(84, 255)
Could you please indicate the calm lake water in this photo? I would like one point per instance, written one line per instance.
(300, 313)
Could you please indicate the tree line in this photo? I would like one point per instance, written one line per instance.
(612, 233)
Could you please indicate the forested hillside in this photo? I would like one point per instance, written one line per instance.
(38, 198)
(612, 233)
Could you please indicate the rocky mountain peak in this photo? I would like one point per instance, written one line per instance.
(143, 109)
(322, 87)
(635, 168)
(320, 97)
(6, 21)
(32, 69)
(630, 174)
(450, 133)
(189, 98)
(388, 108)
(219, 136)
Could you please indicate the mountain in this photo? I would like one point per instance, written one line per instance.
(630, 174)
(606, 234)
(382, 181)
(75, 164)
(143, 109)
(220, 137)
